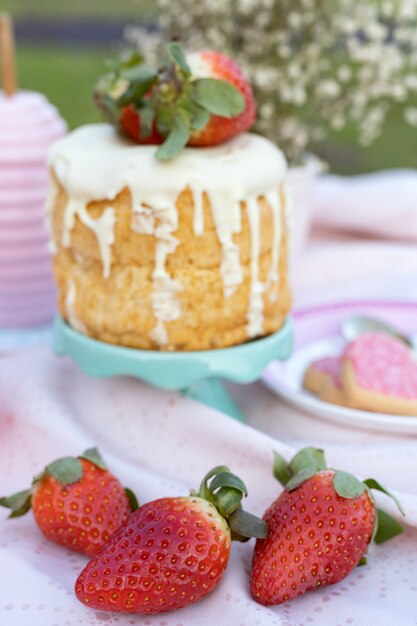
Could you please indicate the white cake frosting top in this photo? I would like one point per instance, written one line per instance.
(95, 163)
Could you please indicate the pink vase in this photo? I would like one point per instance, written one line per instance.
(29, 124)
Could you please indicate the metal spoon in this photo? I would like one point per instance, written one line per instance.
(356, 325)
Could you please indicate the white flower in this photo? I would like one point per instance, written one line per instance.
(340, 61)
(328, 88)
(410, 116)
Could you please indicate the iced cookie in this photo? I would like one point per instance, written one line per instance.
(323, 377)
(379, 374)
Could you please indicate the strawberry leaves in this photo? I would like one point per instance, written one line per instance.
(177, 56)
(218, 97)
(177, 139)
(386, 527)
(226, 490)
(303, 466)
(94, 456)
(169, 101)
(347, 485)
(19, 503)
(311, 461)
(371, 483)
(66, 471)
(133, 501)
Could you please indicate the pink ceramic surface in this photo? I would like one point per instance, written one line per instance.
(23, 198)
(28, 314)
(317, 333)
(22, 217)
(25, 252)
(27, 272)
(383, 365)
(18, 175)
(14, 289)
(29, 124)
(14, 234)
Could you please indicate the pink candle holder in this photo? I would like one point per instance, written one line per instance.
(29, 124)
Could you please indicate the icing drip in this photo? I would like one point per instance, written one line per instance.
(161, 221)
(288, 199)
(227, 218)
(256, 303)
(102, 227)
(94, 163)
(69, 307)
(48, 209)
(274, 200)
(197, 191)
(166, 306)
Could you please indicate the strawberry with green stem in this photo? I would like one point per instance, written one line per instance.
(172, 551)
(76, 502)
(202, 100)
(319, 528)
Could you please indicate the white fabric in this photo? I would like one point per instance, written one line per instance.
(382, 204)
(159, 443)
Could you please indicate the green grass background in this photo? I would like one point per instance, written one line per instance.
(66, 76)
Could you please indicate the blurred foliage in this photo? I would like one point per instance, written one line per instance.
(66, 77)
(104, 9)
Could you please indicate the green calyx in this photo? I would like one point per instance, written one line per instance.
(169, 99)
(67, 471)
(226, 491)
(311, 461)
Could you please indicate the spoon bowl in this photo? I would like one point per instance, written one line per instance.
(356, 325)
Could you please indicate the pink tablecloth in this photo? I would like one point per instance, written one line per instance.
(160, 444)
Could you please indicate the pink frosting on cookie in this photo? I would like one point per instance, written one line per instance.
(384, 365)
(331, 366)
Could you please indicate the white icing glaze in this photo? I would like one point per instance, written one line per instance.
(102, 227)
(256, 303)
(288, 199)
(166, 306)
(94, 163)
(69, 307)
(198, 200)
(48, 209)
(228, 222)
(274, 201)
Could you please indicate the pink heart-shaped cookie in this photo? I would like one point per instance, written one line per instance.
(379, 374)
(323, 377)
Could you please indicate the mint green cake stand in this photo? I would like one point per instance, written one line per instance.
(195, 374)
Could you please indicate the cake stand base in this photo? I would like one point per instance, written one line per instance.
(196, 374)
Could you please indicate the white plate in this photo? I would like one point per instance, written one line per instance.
(316, 335)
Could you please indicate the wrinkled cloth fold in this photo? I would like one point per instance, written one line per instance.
(382, 204)
(159, 443)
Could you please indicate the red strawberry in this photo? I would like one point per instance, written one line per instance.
(319, 529)
(203, 103)
(172, 551)
(210, 64)
(130, 123)
(76, 502)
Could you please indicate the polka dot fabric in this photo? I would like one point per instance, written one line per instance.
(161, 444)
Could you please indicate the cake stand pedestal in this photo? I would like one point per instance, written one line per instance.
(196, 374)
